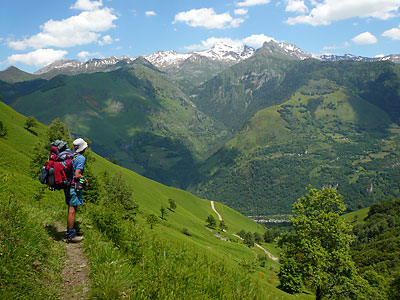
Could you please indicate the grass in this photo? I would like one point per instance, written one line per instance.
(357, 217)
(30, 260)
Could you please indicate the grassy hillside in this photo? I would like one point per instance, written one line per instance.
(127, 258)
(322, 135)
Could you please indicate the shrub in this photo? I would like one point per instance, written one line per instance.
(3, 130)
(186, 231)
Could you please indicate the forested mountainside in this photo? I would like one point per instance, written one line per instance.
(334, 130)
(377, 248)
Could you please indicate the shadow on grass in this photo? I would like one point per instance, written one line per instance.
(54, 233)
(31, 131)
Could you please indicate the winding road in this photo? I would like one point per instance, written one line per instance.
(213, 208)
(259, 246)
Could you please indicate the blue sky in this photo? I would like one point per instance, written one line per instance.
(35, 33)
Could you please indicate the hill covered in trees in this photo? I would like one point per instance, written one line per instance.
(377, 248)
(338, 126)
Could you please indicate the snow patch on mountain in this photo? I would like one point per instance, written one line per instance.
(293, 50)
(77, 67)
(227, 52)
(163, 59)
(219, 52)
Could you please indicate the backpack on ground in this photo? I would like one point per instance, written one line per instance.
(57, 171)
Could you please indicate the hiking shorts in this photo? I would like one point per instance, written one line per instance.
(72, 197)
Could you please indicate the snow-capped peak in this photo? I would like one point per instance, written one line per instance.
(220, 51)
(293, 50)
(227, 52)
(163, 59)
(77, 67)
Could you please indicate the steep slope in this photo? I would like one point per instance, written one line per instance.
(323, 135)
(203, 265)
(133, 114)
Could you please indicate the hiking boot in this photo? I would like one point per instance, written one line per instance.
(76, 239)
(72, 237)
(77, 229)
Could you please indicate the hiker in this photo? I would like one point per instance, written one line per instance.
(74, 193)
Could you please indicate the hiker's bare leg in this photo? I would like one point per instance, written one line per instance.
(71, 216)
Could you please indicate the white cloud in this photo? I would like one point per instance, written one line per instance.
(255, 40)
(84, 55)
(150, 13)
(335, 10)
(296, 6)
(252, 2)
(208, 18)
(365, 38)
(38, 58)
(393, 33)
(81, 29)
(87, 5)
(380, 55)
(335, 47)
(107, 39)
(330, 47)
(240, 11)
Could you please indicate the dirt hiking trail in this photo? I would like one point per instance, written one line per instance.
(75, 272)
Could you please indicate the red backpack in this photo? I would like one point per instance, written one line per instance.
(57, 171)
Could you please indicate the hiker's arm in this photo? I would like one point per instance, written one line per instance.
(79, 175)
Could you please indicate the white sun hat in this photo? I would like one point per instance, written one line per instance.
(80, 145)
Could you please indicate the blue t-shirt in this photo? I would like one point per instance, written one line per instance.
(79, 162)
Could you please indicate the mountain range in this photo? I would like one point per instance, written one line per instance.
(170, 61)
(249, 128)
